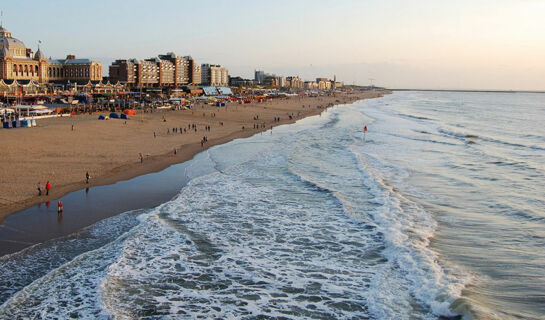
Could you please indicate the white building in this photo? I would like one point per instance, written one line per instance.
(214, 75)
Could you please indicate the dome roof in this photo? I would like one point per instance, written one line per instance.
(4, 33)
(39, 54)
(4, 52)
(10, 43)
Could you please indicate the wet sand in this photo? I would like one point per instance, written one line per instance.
(109, 150)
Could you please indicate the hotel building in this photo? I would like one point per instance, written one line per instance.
(214, 75)
(19, 63)
(163, 71)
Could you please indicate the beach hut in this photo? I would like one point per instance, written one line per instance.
(114, 115)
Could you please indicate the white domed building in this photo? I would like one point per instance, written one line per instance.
(17, 62)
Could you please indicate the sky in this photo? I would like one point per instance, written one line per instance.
(477, 44)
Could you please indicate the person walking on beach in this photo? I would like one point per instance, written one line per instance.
(141, 157)
(40, 188)
(87, 177)
(47, 188)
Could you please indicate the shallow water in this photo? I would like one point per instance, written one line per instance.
(436, 211)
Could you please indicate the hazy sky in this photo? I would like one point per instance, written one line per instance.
(495, 44)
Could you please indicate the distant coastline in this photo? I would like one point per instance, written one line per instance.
(468, 90)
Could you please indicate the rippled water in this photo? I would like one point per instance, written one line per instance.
(437, 211)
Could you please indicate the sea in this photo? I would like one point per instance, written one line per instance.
(436, 212)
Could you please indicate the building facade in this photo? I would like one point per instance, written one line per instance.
(182, 72)
(295, 83)
(166, 70)
(19, 63)
(323, 83)
(124, 71)
(214, 75)
(197, 74)
(259, 76)
(148, 73)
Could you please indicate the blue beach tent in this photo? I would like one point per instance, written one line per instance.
(114, 115)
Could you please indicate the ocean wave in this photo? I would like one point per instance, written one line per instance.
(415, 117)
(457, 134)
(410, 276)
(233, 245)
(407, 230)
(70, 290)
(463, 135)
(24, 267)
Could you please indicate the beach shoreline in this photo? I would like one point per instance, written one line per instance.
(18, 186)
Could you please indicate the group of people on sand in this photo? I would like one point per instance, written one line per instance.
(40, 188)
(182, 130)
(204, 140)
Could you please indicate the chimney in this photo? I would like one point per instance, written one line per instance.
(70, 57)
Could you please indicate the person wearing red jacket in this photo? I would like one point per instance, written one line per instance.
(47, 187)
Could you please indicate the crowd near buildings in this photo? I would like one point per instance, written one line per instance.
(24, 72)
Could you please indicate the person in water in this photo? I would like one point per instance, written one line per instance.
(59, 207)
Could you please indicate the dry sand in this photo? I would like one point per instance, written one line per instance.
(109, 150)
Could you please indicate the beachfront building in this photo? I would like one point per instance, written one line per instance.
(182, 70)
(281, 82)
(240, 82)
(214, 75)
(271, 81)
(323, 83)
(295, 83)
(168, 70)
(124, 71)
(259, 76)
(311, 85)
(20, 63)
(197, 74)
(148, 73)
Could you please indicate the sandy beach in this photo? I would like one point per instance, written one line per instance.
(109, 150)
